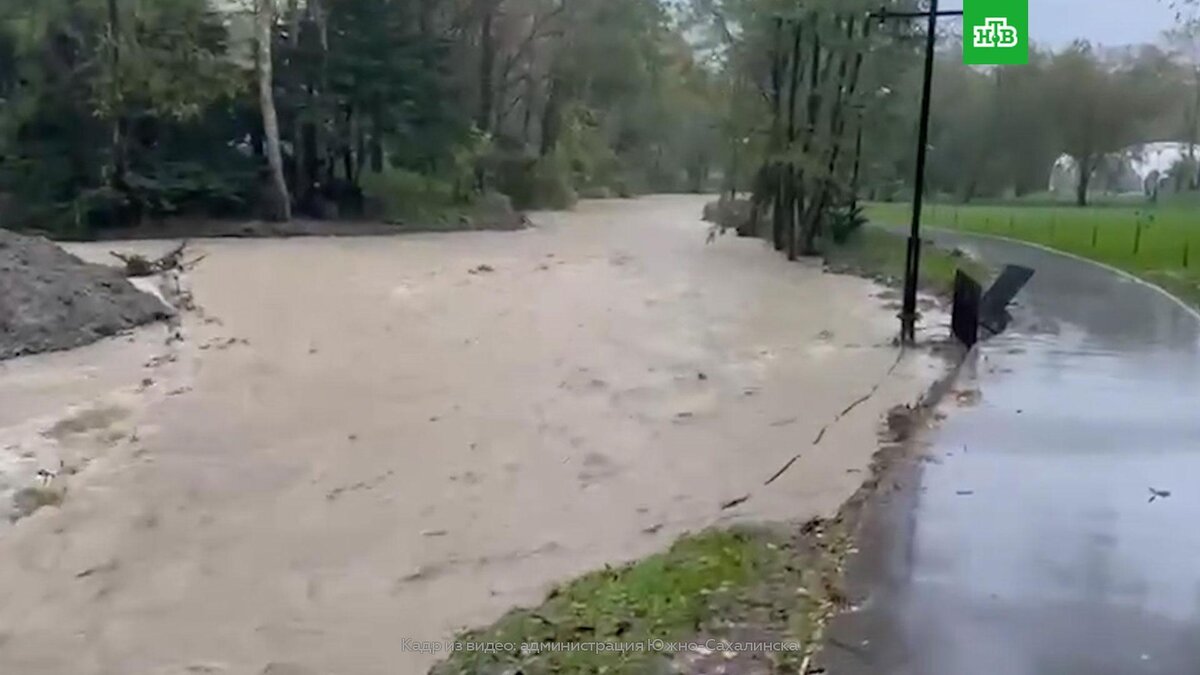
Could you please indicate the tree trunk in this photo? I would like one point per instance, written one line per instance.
(552, 117)
(856, 171)
(779, 209)
(119, 160)
(487, 68)
(1085, 178)
(777, 183)
(360, 148)
(531, 95)
(376, 149)
(322, 114)
(301, 178)
(837, 129)
(817, 75)
(791, 201)
(425, 19)
(279, 205)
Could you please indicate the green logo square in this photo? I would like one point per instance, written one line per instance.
(995, 32)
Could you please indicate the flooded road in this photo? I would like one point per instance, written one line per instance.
(365, 442)
(1039, 536)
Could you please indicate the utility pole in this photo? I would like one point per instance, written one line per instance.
(912, 267)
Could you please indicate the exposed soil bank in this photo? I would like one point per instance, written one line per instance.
(50, 300)
(377, 439)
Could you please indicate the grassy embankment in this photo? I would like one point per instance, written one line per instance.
(763, 585)
(880, 254)
(1158, 243)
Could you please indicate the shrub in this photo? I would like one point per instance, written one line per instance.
(535, 183)
(596, 192)
(399, 195)
(844, 221)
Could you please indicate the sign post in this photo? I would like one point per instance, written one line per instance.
(996, 32)
(912, 266)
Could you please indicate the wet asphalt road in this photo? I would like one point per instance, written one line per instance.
(1028, 543)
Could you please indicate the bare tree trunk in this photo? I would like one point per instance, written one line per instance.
(847, 87)
(280, 204)
(425, 20)
(792, 198)
(376, 149)
(322, 116)
(856, 172)
(778, 64)
(1084, 164)
(301, 178)
(552, 116)
(814, 108)
(851, 94)
(531, 97)
(487, 68)
(120, 162)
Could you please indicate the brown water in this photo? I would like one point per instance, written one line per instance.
(367, 440)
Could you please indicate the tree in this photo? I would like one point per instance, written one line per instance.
(279, 204)
(1095, 108)
(117, 111)
(808, 64)
(1184, 42)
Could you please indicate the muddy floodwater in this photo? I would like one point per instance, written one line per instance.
(364, 441)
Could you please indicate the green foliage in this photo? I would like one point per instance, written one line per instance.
(672, 596)
(81, 93)
(880, 254)
(116, 111)
(585, 151)
(404, 195)
(170, 61)
(997, 132)
(537, 182)
(844, 221)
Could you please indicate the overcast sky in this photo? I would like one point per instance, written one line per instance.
(1109, 22)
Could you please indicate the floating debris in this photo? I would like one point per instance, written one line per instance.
(735, 502)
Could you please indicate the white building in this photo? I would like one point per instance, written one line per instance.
(1144, 169)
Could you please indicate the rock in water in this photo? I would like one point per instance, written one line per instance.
(50, 300)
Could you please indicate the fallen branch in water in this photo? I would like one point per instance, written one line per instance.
(735, 502)
(782, 470)
(138, 265)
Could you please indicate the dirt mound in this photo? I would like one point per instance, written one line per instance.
(51, 300)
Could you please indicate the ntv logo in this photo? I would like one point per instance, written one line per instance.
(995, 33)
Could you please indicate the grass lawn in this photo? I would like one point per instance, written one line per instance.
(741, 585)
(880, 254)
(1160, 244)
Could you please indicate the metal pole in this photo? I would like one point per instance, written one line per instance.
(908, 317)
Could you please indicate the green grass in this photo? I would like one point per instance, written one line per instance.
(694, 591)
(1158, 243)
(880, 254)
